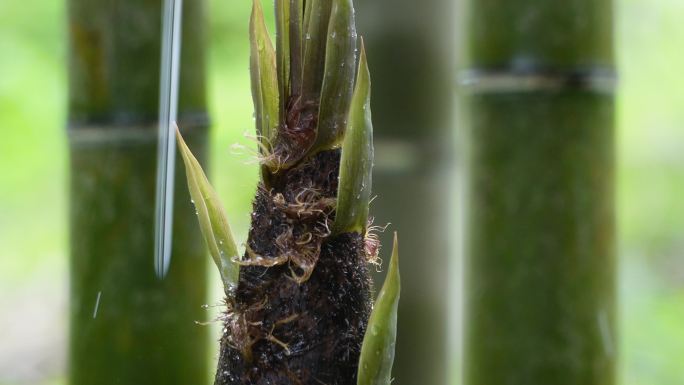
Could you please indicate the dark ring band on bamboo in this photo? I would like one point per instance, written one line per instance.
(600, 80)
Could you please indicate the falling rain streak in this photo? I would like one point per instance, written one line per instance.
(166, 156)
(97, 304)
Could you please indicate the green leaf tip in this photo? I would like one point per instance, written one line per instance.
(211, 216)
(377, 351)
(264, 77)
(340, 70)
(356, 164)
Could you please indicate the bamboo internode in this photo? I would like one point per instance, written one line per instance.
(126, 325)
(540, 253)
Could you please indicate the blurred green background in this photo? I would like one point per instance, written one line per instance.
(33, 180)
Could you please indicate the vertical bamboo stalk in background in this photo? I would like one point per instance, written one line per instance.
(540, 259)
(126, 326)
(409, 53)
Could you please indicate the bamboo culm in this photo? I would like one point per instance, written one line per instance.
(540, 253)
(126, 326)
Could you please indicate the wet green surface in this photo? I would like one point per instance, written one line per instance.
(126, 325)
(541, 35)
(540, 258)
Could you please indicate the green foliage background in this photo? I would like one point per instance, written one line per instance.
(33, 159)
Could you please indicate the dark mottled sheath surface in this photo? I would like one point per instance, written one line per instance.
(279, 330)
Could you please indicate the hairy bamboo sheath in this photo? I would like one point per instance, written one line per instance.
(299, 299)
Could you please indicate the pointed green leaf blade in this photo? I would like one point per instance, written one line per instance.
(296, 46)
(340, 68)
(317, 18)
(264, 76)
(354, 190)
(377, 351)
(282, 12)
(211, 217)
(255, 77)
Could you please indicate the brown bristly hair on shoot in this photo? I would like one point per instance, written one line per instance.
(298, 300)
(371, 243)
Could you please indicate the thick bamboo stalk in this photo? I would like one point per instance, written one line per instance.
(409, 48)
(540, 259)
(127, 327)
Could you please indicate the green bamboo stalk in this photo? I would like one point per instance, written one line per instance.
(127, 326)
(409, 45)
(540, 259)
